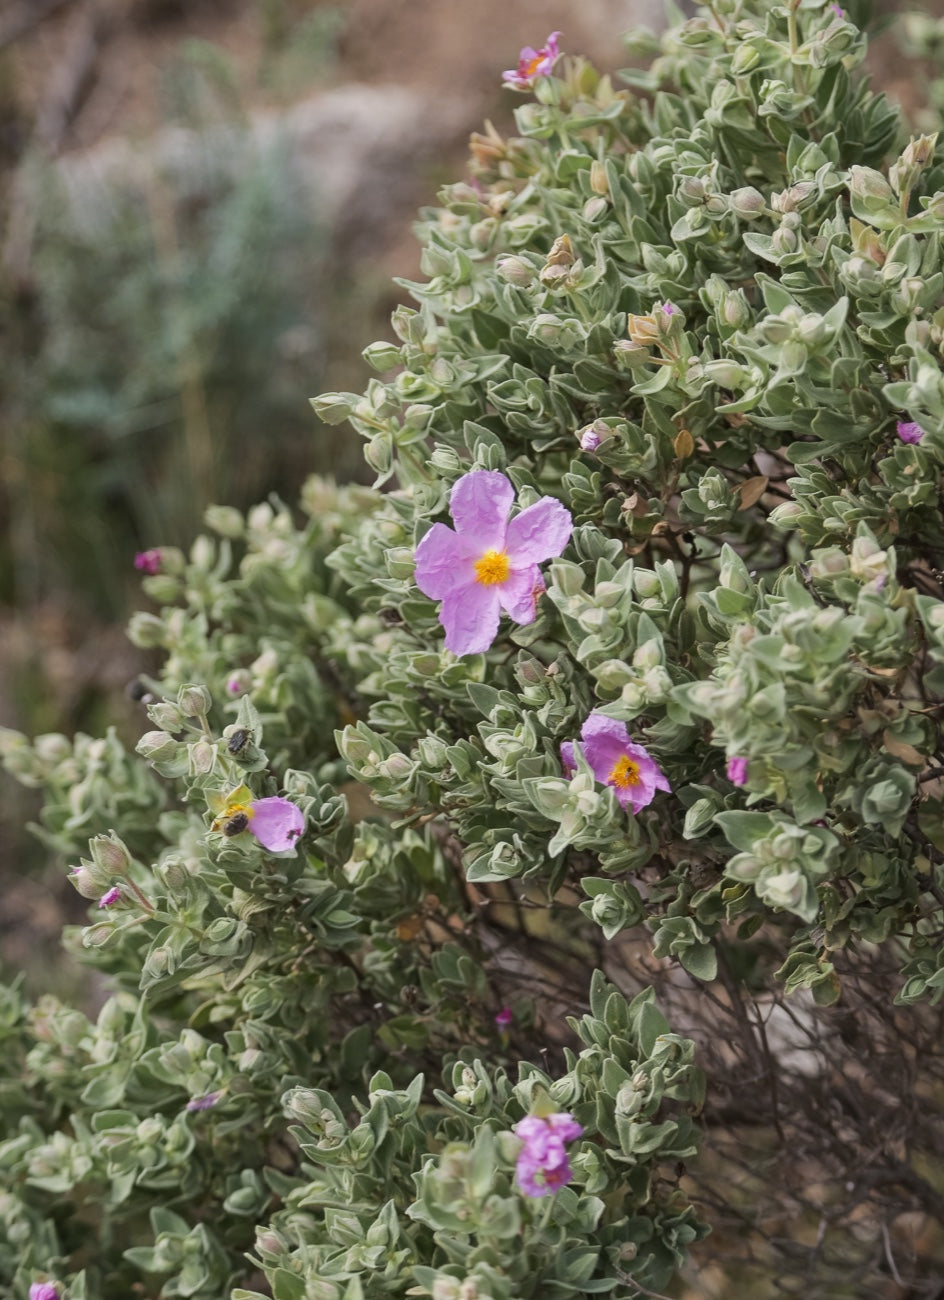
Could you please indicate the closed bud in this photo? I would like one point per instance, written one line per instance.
(194, 701)
(166, 716)
(146, 631)
(594, 208)
(82, 878)
(226, 521)
(379, 453)
(870, 187)
(156, 746)
(735, 310)
(51, 747)
(162, 589)
(724, 373)
(334, 408)
(110, 854)
(202, 757)
(515, 270)
(382, 356)
(598, 178)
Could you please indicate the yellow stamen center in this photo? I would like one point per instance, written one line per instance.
(491, 568)
(246, 809)
(531, 67)
(625, 774)
(233, 810)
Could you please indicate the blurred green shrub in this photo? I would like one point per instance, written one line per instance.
(153, 361)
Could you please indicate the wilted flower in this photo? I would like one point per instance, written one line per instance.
(276, 822)
(543, 1165)
(533, 63)
(488, 563)
(504, 1018)
(148, 562)
(203, 1103)
(589, 438)
(110, 897)
(737, 771)
(617, 762)
(909, 431)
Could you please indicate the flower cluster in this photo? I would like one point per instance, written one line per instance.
(543, 1165)
(533, 63)
(487, 563)
(616, 761)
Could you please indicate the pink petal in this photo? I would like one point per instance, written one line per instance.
(605, 741)
(444, 562)
(479, 503)
(519, 593)
(276, 823)
(909, 431)
(538, 533)
(568, 761)
(565, 1126)
(470, 616)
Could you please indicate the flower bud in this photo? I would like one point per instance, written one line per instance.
(379, 453)
(598, 178)
(52, 747)
(145, 631)
(202, 757)
(194, 701)
(166, 716)
(747, 203)
(870, 188)
(334, 408)
(227, 521)
(382, 356)
(82, 878)
(156, 746)
(515, 270)
(110, 854)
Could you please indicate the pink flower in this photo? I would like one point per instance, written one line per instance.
(43, 1291)
(669, 308)
(275, 822)
(148, 562)
(590, 440)
(203, 1103)
(616, 761)
(909, 432)
(543, 1165)
(533, 63)
(504, 1018)
(737, 771)
(112, 896)
(837, 11)
(488, 563)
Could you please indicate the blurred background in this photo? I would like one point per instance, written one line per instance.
(203, 204)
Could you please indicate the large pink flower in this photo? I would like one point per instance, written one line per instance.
(488, 563)
(533, 63)
(616, 761)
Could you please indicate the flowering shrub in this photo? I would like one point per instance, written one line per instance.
(681, 345)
